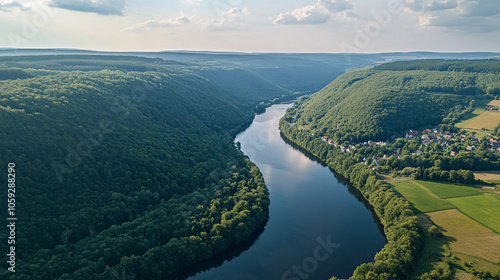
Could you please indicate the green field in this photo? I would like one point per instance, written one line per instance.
(481, 119)
(467, 235)
(467, 119)
(421, 198)
(483, 208)
(449, 190)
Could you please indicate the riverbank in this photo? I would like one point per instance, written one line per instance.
(404, 236)
(308, 203)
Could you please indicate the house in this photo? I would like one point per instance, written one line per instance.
(427, 142)
(324, 138)
(410, 134)
(453, 153)
(471, 148)
(419, 153)
(495, 144)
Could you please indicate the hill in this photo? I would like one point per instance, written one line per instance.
(391, 99)
(126, 164)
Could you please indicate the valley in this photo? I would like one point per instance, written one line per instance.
(128, 164)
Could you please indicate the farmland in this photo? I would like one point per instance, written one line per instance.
(448, 190)
(488, 175)
(468, 236)
(485, 119)
(468, 217)
(495, 103)
(420, 197)
(484, 209)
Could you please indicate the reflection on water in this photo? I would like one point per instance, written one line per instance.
(318, 226)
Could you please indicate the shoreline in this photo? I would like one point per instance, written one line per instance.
(370, 195)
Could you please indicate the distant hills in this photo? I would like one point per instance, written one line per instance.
(392, 98)
(296, 72)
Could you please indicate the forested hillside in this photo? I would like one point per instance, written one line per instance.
(125, 165)
(393, 98)
(337, 124)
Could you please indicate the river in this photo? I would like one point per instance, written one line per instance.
(318, 227)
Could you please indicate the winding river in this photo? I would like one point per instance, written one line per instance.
(318, 226)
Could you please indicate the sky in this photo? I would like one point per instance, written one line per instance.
(330, 26)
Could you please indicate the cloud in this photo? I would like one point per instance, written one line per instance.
(102, 7)
(415, 5)
(318, 13)
(152, 24)
(458, 15)
(441, 5)
(481, 8)
(229, 19)
(11, 6)
(193, 2)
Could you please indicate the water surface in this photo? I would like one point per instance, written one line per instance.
(318, 227)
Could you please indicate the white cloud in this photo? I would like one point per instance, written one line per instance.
(481, 8)
(152, 24)
(458, 15)
(229, 19)
(11, 6)
(318, 13)
(441, 5)
(193, 2)
(102, 7)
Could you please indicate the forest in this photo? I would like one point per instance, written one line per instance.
(126, 164)
(385, 102)
(362, 107)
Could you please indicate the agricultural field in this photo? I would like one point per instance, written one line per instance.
(495, 103)
(449, 190)
(468, 236)
(483, 208)
(488, 175)
(487, 120)
(420, 197)
(471, 224)
(469, 118)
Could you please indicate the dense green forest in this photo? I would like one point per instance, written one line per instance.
(126, 164)
(386, 101)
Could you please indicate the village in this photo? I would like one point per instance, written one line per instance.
(428, 136)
